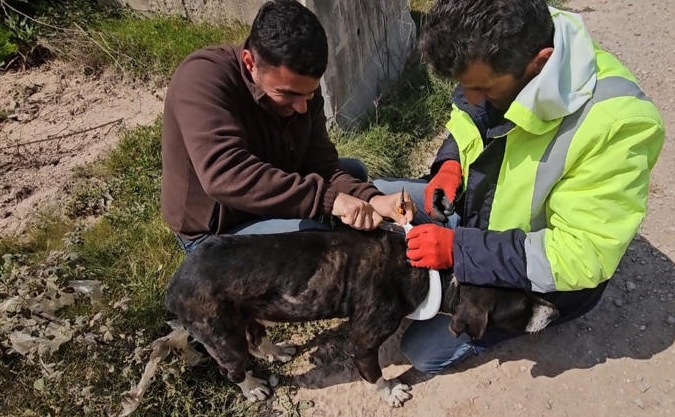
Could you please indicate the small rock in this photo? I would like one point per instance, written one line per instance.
(643, 328)
(639, 403)
(670, 320)
(630, 286)
(273, 380)
(618, 302)
(644, 387)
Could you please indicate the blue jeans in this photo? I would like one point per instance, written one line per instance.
(353, 167)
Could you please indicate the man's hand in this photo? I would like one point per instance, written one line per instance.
(389, 205)
(430, 246)
(355, 212)
(440, 193)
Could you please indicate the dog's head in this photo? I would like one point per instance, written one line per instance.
(475, 308)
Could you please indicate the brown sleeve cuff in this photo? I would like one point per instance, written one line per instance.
(331, 193)
(329, 196)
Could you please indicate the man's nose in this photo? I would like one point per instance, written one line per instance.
(475, 97)
(300, 105)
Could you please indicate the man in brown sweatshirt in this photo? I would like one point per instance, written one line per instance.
(244, 143)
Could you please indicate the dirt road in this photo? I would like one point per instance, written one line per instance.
(619, 360)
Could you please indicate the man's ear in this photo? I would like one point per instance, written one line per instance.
(249, 59)
(537, 63)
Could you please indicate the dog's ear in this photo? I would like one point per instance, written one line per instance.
(478, 325)
(472, 323)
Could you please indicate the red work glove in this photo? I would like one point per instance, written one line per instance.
(430, 246)
(439, 194)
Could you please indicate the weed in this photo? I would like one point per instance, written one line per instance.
(406, 118)
(8, 48)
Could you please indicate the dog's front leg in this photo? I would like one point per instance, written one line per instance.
(254, 389)
(393, 391)
(266, 350)
(228, 346)
(262, 348)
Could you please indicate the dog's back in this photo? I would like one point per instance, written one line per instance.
(295, 276)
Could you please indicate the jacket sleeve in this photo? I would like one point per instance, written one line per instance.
(449, 151)
(215, 140)
(490, 258)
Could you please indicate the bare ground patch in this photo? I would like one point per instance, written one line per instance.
(54, 119)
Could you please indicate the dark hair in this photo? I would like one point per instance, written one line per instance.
(284, 32)
(505, 34)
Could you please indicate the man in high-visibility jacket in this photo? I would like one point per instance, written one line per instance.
(547, 162)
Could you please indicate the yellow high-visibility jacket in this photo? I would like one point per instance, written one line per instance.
(556, 189)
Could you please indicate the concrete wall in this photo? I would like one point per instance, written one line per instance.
(369, 41)
(199, 10)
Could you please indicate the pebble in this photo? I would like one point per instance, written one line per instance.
(618, 302)
(630, 286)
(273, 380)
(670, 320)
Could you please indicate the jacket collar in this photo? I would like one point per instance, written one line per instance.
(565, 83)
(489, 120)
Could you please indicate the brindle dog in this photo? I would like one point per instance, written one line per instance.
(229, 284)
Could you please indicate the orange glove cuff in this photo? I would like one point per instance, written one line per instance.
(448, 178)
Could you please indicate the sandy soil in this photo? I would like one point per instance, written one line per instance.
(616, 361)
(59, 119)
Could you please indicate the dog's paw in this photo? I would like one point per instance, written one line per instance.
(282, 352)
(393, 391)
(255, 389)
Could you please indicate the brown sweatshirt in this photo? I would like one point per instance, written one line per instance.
(227, 158)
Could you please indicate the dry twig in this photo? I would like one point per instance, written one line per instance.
(65, 135)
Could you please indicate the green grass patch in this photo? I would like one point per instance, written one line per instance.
(411, 114)
(96, 37)
(157, 45)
